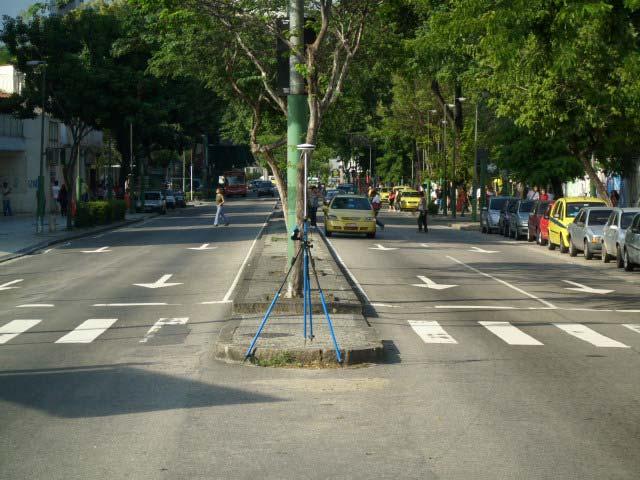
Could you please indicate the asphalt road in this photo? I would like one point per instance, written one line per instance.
(552, 393)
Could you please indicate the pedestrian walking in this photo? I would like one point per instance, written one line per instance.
(312, 204)
(220, 209)
(422, 214)
(376, 203)
(63, 198)
(392, 199)
(396, 202)
(6, 200)
(615, 198)
(55, 194)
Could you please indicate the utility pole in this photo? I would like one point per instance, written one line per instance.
(445, 187)
(184, 161)
(132, 203)
(296, 115)
(474, 200)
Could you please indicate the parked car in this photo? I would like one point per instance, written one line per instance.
(543, 229)
(265, 189)
(563, 214)
(169, 198)
(350, 214)
(631, 252)
(614, 232)
(519, 219)
(536, 215)
(251, 186)
(490, 215)
(585, 233)
(505, 216)
(180, 200)
(154, 201)
(329, 194)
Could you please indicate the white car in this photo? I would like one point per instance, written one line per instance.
(614, 234)
(154, 201)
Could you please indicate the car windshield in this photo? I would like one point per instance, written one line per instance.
(264, 184)
(526, 207)
(410, 194)
(574, 208)
(497, 203)
(235, 180)
(599, 217)
(542, 207)
(627, 218)
(152, 196)
(350, 203)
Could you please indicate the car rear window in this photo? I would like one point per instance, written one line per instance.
(497, 203)
(599, 217)
(627, 218)
(526, 207)
(350, 203)
(152, 196)
(574, 208)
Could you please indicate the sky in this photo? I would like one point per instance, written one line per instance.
(14, 7)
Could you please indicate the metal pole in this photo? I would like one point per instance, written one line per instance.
(132, 206)
(40, 196)
(184, 172)
(445, 187)
(474, 200)
(191, 175)
(453, 159)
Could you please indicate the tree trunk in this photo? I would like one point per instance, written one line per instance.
(282, 190)
(585, 158)
(68, 172)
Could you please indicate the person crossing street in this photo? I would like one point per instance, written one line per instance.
(220, 209)
(422, 213)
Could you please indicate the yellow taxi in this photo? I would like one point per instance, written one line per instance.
(563, 213)
(350, 214)
(384, 194)
(409, 200)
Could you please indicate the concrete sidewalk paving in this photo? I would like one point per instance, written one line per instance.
(282, 341)
(18, 235)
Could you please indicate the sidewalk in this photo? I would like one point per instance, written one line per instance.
(18, 237)
(282, 342)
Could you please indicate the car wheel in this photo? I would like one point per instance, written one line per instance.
(619, 259)
(606, 258)
(573, 251)
(371, 235)
(628, 266)
(550, 244)
(588, 254)
(530, 238)
(563, 247)
(483, 229)
(327, 232)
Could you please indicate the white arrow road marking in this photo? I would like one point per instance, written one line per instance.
(5, 286)
(160, 283)
(204, 246)
(15, 328)
(431, 332)
(509, 333)
(585, 333)
(385, 305)
(480, 250)
(583, 288)
(47, 250)
(632, 326)
(428, 283)
(97, 250)
(425, 245)
(88, 330)
(161, 323)
(380, 247)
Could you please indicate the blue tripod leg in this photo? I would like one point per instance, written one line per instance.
(327, 316)
(308, 300)
(305, 280)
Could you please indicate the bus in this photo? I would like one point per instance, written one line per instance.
(235, 183)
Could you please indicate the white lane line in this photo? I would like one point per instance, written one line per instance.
(384, 305)
(161, 323)
(587, 310)
(628, 311)
(215, 302)
(47, 250)
(579, 287)
(505, 283)
(588, 335)
(15, 328)
(97, 250)
(431, 331)
(632, 326)
(227, 296)
(478, 307)
(6, 286)
(344, 265)
(509, 333)
(149, 304)
(88, 330)
(36, 305)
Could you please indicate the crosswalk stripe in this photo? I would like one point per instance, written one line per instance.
(88, 330)
(509, 333)
(15, 328)
(588, 335)
(431, 332)
(632, 326)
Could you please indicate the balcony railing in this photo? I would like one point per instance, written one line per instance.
(11, 126)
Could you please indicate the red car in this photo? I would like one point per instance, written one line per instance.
(539, 222)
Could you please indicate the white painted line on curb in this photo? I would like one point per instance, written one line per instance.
(97, 250)
(479, 307)
(509, 333)
(88, 330)
(505, 283)
(36, 305)
(6, 286)
(628, 311)
(47, 250)
(161, 323)
(15, 328)
(632, 326)
(431, 332)
(346, 269)
(385, 305)
(215, 302)
(227, 296)
(591, 336)
(150, 304)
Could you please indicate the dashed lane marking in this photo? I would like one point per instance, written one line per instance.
(36, 305)
(588, 335)
(15, 328)
(509, 333)
(88, 330)
(431, 332)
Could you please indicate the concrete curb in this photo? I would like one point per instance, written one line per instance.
(47, 243)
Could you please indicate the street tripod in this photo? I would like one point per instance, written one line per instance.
(308, 265)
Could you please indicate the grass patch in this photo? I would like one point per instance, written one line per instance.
(284, 359)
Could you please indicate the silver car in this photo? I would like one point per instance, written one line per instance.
(519, 219)
(490, 215)
(631, 250)
(585, 233)
(614, 234)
